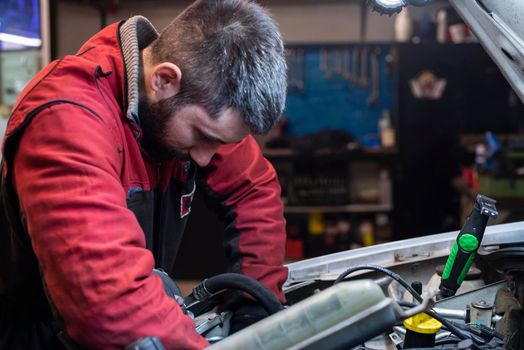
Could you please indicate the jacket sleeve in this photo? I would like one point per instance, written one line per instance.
(90, 248)
(244, 188)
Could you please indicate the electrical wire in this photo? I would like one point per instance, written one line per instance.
(388, 272)
(447, 341)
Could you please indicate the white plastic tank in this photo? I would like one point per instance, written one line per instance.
(306, 318)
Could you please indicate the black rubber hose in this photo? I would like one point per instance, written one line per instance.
(236, 281)
(388, 272)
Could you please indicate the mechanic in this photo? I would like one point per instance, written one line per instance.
(101, 157)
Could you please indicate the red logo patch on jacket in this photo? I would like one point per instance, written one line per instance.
(185, 203)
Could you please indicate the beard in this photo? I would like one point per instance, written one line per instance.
(154, 119)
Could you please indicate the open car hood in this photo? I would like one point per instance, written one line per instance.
(499, 26)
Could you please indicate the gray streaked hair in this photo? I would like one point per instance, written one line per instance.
(231, 54)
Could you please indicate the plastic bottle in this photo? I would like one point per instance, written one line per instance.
(316, 224)
(367, 234)
(387, 133)
(480, 155)
(403, 26)
(442, 25)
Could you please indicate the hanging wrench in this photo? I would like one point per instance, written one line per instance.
(324, 63)
(338, 67)
(290, 53)
(346, 56)
(346, 61)
(374, 98)
(355, 77)
(300, 68)
(364, 82)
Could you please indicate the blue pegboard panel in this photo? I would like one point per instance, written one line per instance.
(319, 99)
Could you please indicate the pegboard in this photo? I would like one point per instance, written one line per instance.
(327, 88)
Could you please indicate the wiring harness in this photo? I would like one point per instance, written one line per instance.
(480, 337)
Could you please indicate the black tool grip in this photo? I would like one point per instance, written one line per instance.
(465, 248)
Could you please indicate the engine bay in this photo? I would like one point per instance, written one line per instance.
(371, 307)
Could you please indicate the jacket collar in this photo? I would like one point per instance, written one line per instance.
(136, 33)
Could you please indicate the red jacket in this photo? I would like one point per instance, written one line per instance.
(92, 201)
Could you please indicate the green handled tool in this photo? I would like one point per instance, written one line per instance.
(466, 246)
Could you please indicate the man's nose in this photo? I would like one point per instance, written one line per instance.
(202, 154)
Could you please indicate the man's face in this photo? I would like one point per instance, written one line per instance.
(186, 131)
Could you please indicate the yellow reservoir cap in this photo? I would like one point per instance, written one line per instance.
(422, 323)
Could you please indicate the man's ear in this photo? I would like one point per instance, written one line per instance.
(165, 81)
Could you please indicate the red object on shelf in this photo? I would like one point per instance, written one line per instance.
(294, 249)
(470, 175)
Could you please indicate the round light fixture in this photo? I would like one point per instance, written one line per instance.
(390, 7)
(387, 7)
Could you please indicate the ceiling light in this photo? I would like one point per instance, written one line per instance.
(20, 40)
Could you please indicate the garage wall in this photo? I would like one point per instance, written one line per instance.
(75, 24)
(303, 23)
(306, 23)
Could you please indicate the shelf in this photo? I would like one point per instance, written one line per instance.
(288, 154)
(349, 208)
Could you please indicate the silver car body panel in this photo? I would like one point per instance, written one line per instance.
(328, 267)
(499, 26)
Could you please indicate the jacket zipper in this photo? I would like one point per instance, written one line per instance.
(156, 217)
